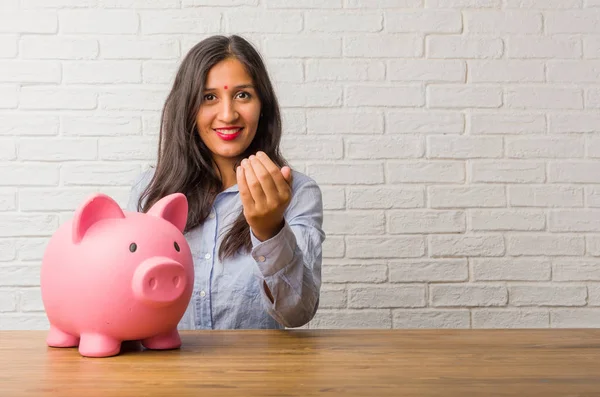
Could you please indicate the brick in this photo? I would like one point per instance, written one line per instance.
(463, 47)
(592, 196)
(538, 147)
(346, 174)
(465, 245)
(21, 275)
(463, 147)
(58, 97)
(452, 96)
(498, 22)
(592, 3)
(132, 99)
(29, 321)
(574, 172)
(35, 4)
(572, 21)
(55, 199)
(31, 248)
(591, 47)
(9, 97)
(593, 146)
(17, 21)
(507, 171)
(9, 46)
(344, 70)
(425, 21)
(429, 271)
(367, 273)
(125, 47)
(101, 125)
(463, 3)
(427, 70)
(354, 222)
(385, 247)
(334, 198)
(293, 121)
(102, 72)
(506, 220)
(511, 269)
(426, 172)
(105, 174)
(58, 48)
(130, 148)
(510, 318)
(19, 224)
(30, 72)
(574, 220)
(342, 21)
(544, 244)
(425, 221)
(151, 124)
(537, 4)
(333, 297)
(467, 295)
(383, 45)
(57, 149)
(513, 71)
(431, 319)
(252, 21)
(286, 70)
(465, 197)
(8, 202)
(346, 121)
(31, 300)
(567, 123)
(334, 247)
(385, 197)
(98, 21)
(353, 319)
(384, 95)
(159, 72)
(547, 295)
(8, 249)
(309, 46)
(507, 123)
(592, 98)
(429, 122)
(8, 149)
(569, 318)
(574, 71)
(140, 3)
(302, 95)
(307, 148)
(581, 269)
(545, 196)
(292, 3)
(593, 294)
(544, 47)
(15, 174)
(8, 301)
(544, 98)
(386, 296)
(384, 147)
(377, 4)
(188, 21)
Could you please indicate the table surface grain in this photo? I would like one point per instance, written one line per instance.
(551, 362)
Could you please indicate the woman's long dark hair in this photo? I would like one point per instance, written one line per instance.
(184, 162)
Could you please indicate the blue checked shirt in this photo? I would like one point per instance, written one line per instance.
(230, 294)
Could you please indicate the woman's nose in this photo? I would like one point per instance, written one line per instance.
(228, 112)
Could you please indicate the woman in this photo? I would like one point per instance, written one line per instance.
(254, 225)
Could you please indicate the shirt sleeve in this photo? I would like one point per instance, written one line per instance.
(290, 262)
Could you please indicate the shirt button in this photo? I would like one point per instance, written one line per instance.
(211, 215)
(261, 258)
(202, 294)
(207, 256)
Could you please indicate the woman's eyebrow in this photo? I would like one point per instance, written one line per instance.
(237, 87)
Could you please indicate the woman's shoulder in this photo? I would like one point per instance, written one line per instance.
(301, 180)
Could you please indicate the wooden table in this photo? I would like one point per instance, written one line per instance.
(315, 362)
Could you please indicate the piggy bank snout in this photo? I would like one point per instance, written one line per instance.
(159, 281)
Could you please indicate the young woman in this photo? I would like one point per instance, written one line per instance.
(254, 225)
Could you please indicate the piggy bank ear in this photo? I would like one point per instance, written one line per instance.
(95, 208)
(173, 208)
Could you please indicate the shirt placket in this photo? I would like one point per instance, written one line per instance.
(203, 287)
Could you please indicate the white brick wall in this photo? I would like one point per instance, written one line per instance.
(456, 143)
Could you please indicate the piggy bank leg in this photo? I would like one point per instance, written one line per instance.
(96, 345)
(169, 340)
(58, 338)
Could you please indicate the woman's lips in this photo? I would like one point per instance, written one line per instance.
(228, 134)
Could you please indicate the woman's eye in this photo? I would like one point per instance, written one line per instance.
(209, 97)
(244, 95)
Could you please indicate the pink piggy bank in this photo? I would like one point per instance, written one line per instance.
(110, 276)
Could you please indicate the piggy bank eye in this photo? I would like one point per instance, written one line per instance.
(132, 247)
(176, 246)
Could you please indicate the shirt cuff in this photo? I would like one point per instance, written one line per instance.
(276, 253)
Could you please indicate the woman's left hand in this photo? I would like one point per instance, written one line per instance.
(265, 191)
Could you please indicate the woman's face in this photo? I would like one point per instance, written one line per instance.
(228, 116)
